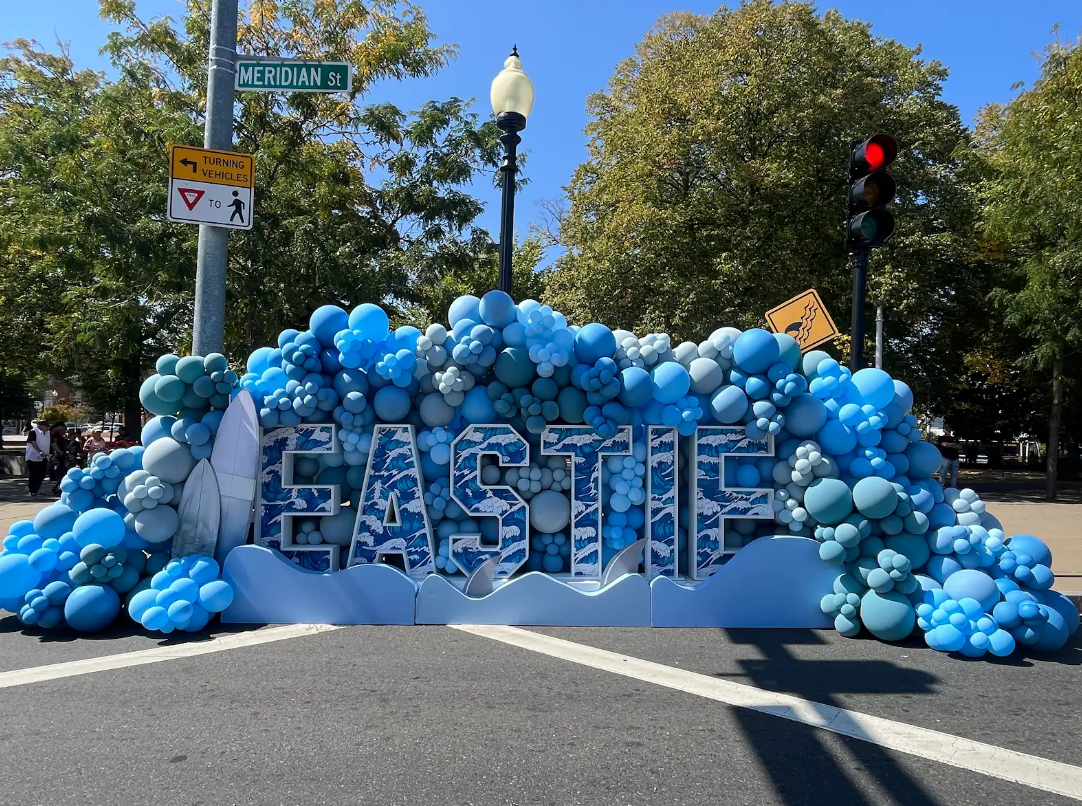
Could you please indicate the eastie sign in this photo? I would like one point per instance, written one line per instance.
(292, 75)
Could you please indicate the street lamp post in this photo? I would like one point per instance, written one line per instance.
(512, 100)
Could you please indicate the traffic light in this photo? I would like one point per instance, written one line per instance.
(869, 224)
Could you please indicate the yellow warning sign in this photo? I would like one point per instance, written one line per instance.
(193, 164)
(805, 318)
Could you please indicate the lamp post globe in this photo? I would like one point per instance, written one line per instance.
(512, 101)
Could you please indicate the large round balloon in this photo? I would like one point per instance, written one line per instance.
(54, 521)
(970, 583)
(594, 341)
(514, 368)
(392, 404)
(756, 350)
(789, 350)
(729, 405)
(101, 526)
(156, 525)
(828, 500)
(637, 387)
(875, 497)
(888, 616)
(326, 321)
(706, 375)
(805, 415)
(497, 309)
(90, 608)
(924, 459)
(17, 576)
(550, 511)
(169, 460)
(671, 382)
(465, 307)
(875, 386)
(370, 321)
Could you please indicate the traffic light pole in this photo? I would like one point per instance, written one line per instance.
(208, 328)
(860, 285)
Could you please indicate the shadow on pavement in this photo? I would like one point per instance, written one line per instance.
(804, 769)
(123, 627)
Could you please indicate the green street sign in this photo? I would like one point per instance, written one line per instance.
(292, 75)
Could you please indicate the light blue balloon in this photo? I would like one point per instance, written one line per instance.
(139, 603)
(476, 407)
(464, 307)
(972, 584)
(729, 405)
(326, 321)
(17, 576)
(370, 322)
(671, 382)
(54, 521)
(497, 309)
(216, 596)
(102, 526)
(876, 387)
(836, 438)
(169, 460)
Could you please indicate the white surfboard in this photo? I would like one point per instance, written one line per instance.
(200, 510)
(235, 459)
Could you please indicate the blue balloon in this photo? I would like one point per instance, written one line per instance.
(829, 501)
(101, 526)
(90, 608)
(514, 367)
(756, 350)
(970, 583)
(805, 415)
(875, 386)
(729, 405)
(392, 404)
(465, 307)
(671, 382)
(594, 341)
(17, 576)
(370, 322)
(216, 596)
(636, 387)
(789, 350)
(435, 411)
(888, 616)
(140, 602)
(573, 404)
(875, 497)
(1033, 546)
(836, 438)
(54, 521)
(924, 459)
(476, 407)
(497, 309)
(326, 321)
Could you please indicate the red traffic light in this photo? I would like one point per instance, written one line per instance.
(874, 154)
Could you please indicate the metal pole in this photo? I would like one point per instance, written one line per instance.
(860, 282)
(510, 123)
(878, 336)
(208, 330)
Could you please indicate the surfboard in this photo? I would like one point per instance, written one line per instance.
(200, 511)
(235, 459)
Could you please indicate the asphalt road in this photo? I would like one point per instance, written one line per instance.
(429, 715)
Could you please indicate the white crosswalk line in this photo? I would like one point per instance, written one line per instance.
(944, 748)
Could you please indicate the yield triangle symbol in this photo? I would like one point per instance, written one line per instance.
(191, 196)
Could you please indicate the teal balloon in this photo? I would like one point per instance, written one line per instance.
(888, 616)
(167, 364)
(875, 497)
(190, 368)
(789, 349)
(810, 362)
(91, 608)
(914, 547)
(150, 400)
(573, 404)
(169, 388)
(514, 367)
(924, 459)
(829, 501)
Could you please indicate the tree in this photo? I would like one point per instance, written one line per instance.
(1034, 211)
(716, 184)
(353, 202)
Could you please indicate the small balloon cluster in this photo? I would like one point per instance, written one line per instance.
(184, 595)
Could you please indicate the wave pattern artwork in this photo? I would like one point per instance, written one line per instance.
(494, 501)
(661, 497)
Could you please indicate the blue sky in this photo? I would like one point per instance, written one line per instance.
(570, 47)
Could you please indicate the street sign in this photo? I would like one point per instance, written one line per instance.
(211, 187)
(805, 318)
(292, 75)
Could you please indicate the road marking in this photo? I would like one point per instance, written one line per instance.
(997, 762)
(55, 671)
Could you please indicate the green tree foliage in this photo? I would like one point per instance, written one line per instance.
(354, 202)
(716, 184)
(1033, 147)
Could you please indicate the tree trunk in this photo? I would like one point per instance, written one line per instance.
(133, 409)
(1053, 426)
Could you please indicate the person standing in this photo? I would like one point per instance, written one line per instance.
(37, 456)
(62, 446)
(948, 449)
(94, 445)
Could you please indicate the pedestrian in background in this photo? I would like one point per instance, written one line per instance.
(62, 453)
(38, 442)
(94, 445)
(948, 449)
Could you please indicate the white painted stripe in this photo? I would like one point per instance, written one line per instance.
(997, 762)
(55, 671)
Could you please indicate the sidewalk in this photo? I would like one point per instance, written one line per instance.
(1059, 525)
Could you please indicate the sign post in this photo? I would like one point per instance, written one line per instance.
(207, 186)
(261, 74)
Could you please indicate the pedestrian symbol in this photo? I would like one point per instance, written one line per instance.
(238, 208)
